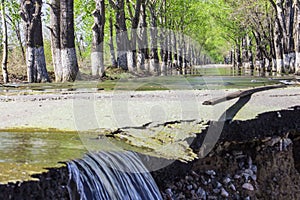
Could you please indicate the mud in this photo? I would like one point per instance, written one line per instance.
(254, 159)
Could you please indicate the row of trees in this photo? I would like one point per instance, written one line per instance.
(151, 36)
(265, 34)
(142, 35)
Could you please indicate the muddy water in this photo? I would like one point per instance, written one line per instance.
(24, 154)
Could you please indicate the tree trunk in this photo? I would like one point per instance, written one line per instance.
(163, 42)
(174, 49)
(131, 53)
(245, 56)
(55, 39)
(97, 57)
(111, 43)
(164, 52)
(36, 64)
(68, 52)
(142, 55)
(238, 58)
(169, 56)
(4, 43)
(290, 16)
(278, 48)
(297, 40)
(121, 33)
(154, 60)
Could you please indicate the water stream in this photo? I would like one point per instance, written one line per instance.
(111, 176)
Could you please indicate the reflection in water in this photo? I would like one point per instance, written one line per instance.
(23, 154)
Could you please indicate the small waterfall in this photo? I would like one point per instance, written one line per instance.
(111, 176)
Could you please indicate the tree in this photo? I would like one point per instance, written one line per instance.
(36, 64)
(98, 39)
(154, 67)
(55, 39)
(297, 38)
(67, 39)
(143, 54)
(4, 43)
(134, 18)
(111, 42)
(63, 40)
(121, 33)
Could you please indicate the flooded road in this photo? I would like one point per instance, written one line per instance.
(24, 153)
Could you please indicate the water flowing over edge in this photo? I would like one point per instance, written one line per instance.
(111, 175)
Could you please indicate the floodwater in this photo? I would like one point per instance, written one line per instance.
(23, 153)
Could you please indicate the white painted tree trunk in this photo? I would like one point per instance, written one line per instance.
(57, 64)
(279, 65)
(152, 67)
(292, 58)
(297, 70)
(97, 63)
(164, 69)
(69, 63)
(140, 62)
(40, 65)
(55, 38)
(286, 62)
(30, 52)
(130, 61)
(274, 67)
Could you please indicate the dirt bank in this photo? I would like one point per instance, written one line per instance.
(254, 159)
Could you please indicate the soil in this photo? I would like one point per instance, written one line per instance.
(254, 159)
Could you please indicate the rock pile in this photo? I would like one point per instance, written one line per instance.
(212, 184)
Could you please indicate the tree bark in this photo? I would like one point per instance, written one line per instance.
(154, 60)
(297, 40)
(111, 43)
(97, 57)
(169, 53)
(36, 64)
(278, 48)
(238, 58)
(67, 37)
(142, 55)
(121, 33)
(4, 43)
(55, 39)
(290, 16)
(131, 53)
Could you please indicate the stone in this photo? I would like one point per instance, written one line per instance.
(210, 172)
(231, 186)
(201, 193)
(248, 186)
(286, 143)
(246, 175)
(224, 193)
(254, 177)
(226, 180)
(189, 187)
(169, 192)
(254, 168)
(237, 176)
(249, 171)
(216, 191)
